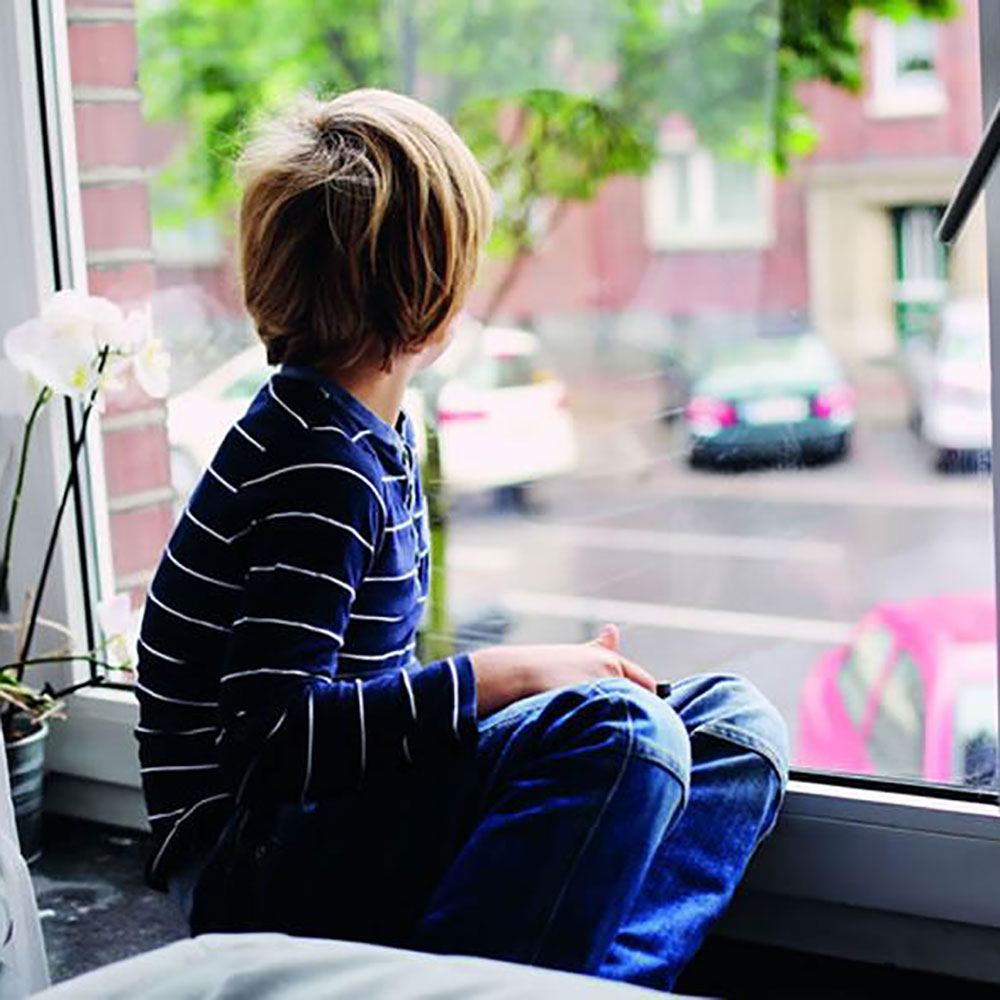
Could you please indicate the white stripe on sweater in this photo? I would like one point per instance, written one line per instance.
(409, 694)
(254, 620)
(177, 732)
(361, 722)
(229, 486)
(454, 708)
(391, 579)
(211, 531)
(253, 441)
(318, 517)
(305, 572)
(200, 576)
(309, 749)
(258, 671)
(166, 815)
(163, 656)
(374, 657)
(282, 403)
(334, 466)
(187, 618)
(176, 701)
(169, 837)
(178, 767)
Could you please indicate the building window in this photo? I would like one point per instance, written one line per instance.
(905, 80)
(921, 269)
(694, 200)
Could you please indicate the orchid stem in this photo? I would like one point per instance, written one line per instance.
(54, 535)
(43, 397)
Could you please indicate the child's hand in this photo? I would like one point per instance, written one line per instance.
(506, 673)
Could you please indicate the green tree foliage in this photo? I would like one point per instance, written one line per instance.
(554, 96)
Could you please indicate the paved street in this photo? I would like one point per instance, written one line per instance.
(760, 571)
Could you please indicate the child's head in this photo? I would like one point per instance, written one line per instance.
(360, 228)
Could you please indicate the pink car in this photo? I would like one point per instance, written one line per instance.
(914, 694)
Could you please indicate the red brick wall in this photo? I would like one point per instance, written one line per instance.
(112, 149)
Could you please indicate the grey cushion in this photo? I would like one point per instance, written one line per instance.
(276, 967)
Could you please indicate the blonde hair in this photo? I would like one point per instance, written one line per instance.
(360, 227)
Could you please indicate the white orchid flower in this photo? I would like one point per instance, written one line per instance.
(152, 369)
(73, 314)
(120, 627)
(61, 361)
(127, 337)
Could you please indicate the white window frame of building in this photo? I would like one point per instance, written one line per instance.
(906, 94)
(872, 872)
(700, 228)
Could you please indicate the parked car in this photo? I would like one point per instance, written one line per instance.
(771, 397)
(912, 695)
(502, 417)
(949, 377)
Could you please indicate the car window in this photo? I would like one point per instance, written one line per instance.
(506, 372)
(247, 386)
(862, 669)
(896, 741)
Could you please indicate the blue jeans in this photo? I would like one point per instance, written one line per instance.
(595, 829)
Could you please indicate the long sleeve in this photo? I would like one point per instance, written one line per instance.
(320, 691)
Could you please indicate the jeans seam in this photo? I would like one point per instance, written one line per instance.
(733, 734)
(626, 756)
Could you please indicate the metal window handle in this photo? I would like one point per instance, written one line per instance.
(975, 179)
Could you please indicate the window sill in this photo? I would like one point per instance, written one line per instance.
(908, 104)
(712, 242)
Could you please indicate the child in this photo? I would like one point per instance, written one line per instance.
(302, 771)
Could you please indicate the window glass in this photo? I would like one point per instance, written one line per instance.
(862, 669)
(896, 740)
(736, 192)
(742, 440)
(914, 51)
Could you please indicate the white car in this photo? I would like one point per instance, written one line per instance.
(951, 383)
(502, 421)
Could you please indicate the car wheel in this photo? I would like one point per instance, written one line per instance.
(947, 460)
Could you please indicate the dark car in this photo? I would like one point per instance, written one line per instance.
(777, 398)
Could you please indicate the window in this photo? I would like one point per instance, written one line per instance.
(862, 670)
(696, 200)
(896, 738)
(905, 69)
(750, 533)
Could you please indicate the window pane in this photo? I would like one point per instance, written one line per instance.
(896, 740)
(914, 50)
(862, 670)
(763, 412)
(737, 193)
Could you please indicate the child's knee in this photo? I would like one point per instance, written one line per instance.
(638, 723)
(734, 708)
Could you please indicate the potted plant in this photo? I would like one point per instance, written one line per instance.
(80, 347)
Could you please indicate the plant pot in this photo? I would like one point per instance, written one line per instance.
(26, 764)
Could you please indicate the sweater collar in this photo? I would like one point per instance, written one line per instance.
(344, 402)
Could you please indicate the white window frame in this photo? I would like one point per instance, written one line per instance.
(911, 879)
(702, 230)
(895, 97)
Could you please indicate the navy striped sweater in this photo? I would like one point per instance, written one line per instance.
(276, 655)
